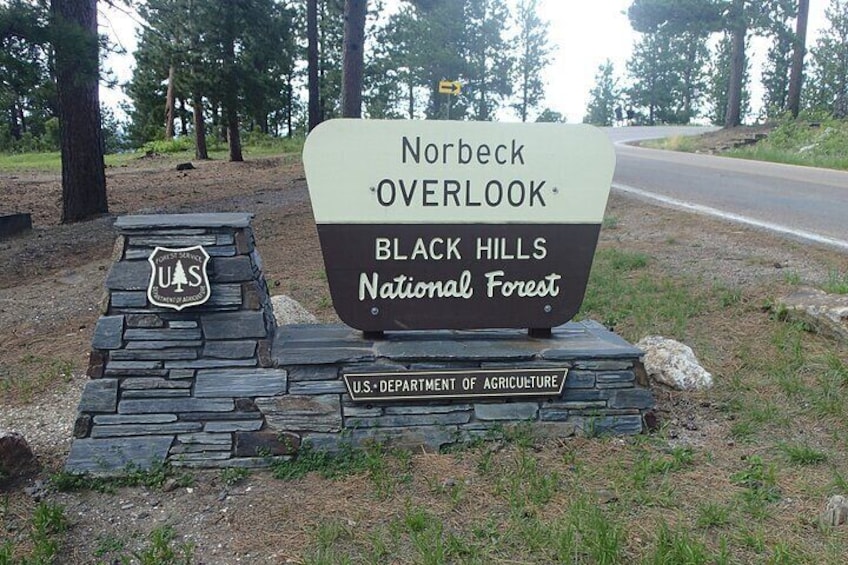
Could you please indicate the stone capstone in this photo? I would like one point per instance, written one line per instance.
(673, 364)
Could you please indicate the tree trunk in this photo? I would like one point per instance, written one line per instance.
(75, 43)
(354, 37)
(231, 90)
(233, 136)
(200, 150)
(170, 101)
(796, 76)
(411, 99)
(733, 115)
(312, 62)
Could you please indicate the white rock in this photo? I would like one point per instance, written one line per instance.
(289, 311)
(673, 364)
(836, 511)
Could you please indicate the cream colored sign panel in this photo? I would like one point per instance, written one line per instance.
(444, 172)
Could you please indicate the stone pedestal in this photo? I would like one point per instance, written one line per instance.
(217, 385)
(601, 393)
(178, 385)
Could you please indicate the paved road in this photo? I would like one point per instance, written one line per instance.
(802, 202)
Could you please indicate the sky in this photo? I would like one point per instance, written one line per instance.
(584, 34)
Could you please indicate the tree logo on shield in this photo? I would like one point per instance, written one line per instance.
(178, 278)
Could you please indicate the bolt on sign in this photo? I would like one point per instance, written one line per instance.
(178, 277)
(457, 225)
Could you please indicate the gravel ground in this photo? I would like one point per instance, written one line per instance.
(51, 288)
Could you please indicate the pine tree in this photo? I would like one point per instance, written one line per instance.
(604, 97)
(828, 88)
(75, 42)
(532, 56)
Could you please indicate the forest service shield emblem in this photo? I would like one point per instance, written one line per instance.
(178, 277)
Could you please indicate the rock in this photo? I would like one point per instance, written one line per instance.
(289, 311)
(16, 457)
(673, 364)
(825, 313)
(836, 511)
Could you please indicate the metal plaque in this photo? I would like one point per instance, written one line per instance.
(459, 384)
(178, 277)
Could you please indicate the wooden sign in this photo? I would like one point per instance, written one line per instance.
(449, 385)
(458, 225)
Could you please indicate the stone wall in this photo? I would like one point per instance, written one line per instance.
(218, 385)
(601, 394)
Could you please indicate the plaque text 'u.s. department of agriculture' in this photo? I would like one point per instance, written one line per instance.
(461, 384)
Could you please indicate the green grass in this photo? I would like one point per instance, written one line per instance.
(836, 283)
(46, 529)
(32, 375)
(178, 151)
(799, 142)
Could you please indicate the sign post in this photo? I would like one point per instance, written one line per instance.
(457, 225)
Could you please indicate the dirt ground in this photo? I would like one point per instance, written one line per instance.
(51, 286)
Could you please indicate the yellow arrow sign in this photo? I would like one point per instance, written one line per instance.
(449, 87)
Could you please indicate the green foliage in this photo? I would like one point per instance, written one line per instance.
(604, 97)
(176, 145)
(161, 550)
(36, 375)
(234, 475)
(132, 476)
(803, 454)
(827, 87)
(836, 283)
(759, 481)
(348, 460)
(532, 56)
(47, 525)
(801, 142)
(677, 546)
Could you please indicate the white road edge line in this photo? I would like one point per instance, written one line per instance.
(699, 209)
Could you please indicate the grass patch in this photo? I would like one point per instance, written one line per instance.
(33, 375)
(132, 476)
(687, 144)
(180, 149)
(836, 283)
(46, 529)
(802, 142)
(625, 294)
(161, 549)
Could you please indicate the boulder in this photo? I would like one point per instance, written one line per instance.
(289, 311)
(823, 312)
(16, 458)
(673, 364)
(836, 511)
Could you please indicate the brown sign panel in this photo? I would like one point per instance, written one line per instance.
(464, 276)
(461, 384)
(457, 225)
(178, 277)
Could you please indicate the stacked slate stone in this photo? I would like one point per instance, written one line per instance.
(217, 385)
(180, 385)
(602, 393)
